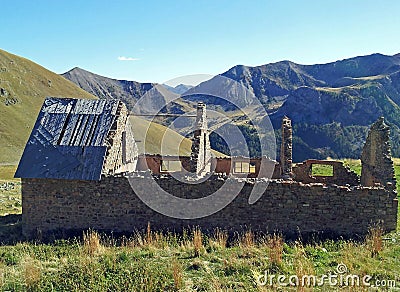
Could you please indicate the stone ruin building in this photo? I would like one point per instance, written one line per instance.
(75, 167)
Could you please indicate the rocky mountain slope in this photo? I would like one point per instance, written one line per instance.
(128, 91)
(104, 87)
(276, 80)
(331, 105)
(179, 89)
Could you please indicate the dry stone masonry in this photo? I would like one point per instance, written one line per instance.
(201, 149)
(376, 158)
(286, 206)
(286, 148)
(122, 150)
(94, 158)
(342, 175)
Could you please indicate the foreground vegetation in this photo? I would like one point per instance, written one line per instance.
(154, 262)
(192, 261)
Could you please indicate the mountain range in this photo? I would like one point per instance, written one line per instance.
(331, 105)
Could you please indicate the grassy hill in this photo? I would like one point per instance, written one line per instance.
(155, 134)
(161, 139)
(23, 87)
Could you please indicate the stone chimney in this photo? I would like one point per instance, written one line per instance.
(286, 148)
(376, 158)
(201, 150)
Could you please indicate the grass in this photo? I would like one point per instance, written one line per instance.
(26, 85)
(7, 172)
(10, 191)
(354, 164)
(192, 261)
(321, 170)
(99, 263)
(154, 138)
(10, 197)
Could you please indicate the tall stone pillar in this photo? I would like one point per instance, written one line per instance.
(201, 149)
(286, 148)
(376, 158)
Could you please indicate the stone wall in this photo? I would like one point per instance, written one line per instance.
(226, 165)
(219, 165)
(286, 206)
(286, 148)
(342, 175)
(121, 146)
(376, 158)
(154, 162)
(201, 149)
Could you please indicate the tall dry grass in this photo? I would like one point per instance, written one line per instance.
(1, 277)
(149, 238)
(177, 274)
(274, 244)
(197, 241)
(303, 266)
(374, 240)
(32, 272)
(91, 242)
(247, 239)
(219, 239)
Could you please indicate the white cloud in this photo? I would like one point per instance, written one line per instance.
(122, 58)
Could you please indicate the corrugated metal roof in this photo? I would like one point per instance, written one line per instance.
(67, 141)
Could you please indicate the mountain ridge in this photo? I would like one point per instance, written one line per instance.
(104, 87)
(336, 100)
(342, 98)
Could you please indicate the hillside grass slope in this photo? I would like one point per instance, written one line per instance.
(23, 87)
(154, 138)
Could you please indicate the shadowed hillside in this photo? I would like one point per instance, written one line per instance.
(104, 87)
(157, 96)
(332, 105)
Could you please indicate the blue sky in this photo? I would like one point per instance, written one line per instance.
(168, 39)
